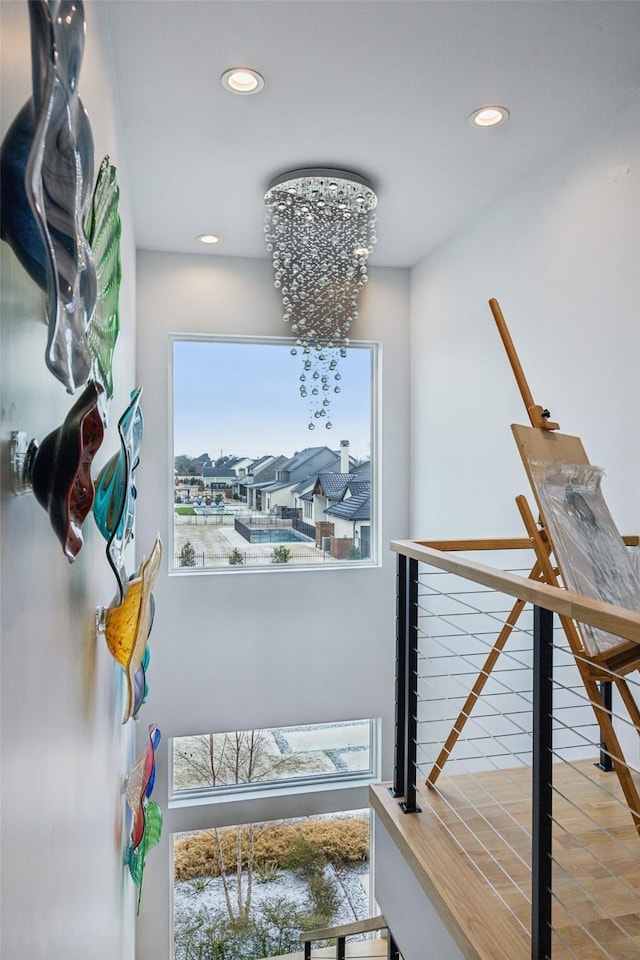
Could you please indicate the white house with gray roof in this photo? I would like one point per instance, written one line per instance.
(297, 469)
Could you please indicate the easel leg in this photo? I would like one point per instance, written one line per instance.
(629, 701)
(613, 746)
(478, 686)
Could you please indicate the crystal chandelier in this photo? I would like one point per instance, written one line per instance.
(320, 230)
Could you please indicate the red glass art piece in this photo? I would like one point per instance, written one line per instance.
(61, 469)
(140, 784)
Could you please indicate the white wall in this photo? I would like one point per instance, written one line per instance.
(64, 893)
(255, 649)
(561, 255)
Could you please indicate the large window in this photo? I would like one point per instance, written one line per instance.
(248, 891)
(242, 760)
(274, 455)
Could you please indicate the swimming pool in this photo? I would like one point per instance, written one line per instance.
(278, 535)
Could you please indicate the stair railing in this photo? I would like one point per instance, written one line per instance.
(341, 933)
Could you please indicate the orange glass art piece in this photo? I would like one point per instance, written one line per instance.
(127, 624)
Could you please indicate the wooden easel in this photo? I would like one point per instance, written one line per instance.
(542, 442)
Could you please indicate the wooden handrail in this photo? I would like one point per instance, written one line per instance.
(346, 930)
(498, 543)
(605, 616)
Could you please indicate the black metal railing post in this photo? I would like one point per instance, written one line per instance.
(393, 953)
(542, 762)
(341, 948)
(409, 804)
(605, 763)
(401, 626)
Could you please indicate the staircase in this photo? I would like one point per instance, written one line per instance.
(378, 947)
(361, 950)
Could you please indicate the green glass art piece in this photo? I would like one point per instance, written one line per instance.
(127, 624)
(150, 838)
(103, 228)
(147, 817)
(115, 493)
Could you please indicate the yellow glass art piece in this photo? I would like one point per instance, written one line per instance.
(127, 624)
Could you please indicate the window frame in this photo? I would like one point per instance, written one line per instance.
(286, 786)
(375, 522)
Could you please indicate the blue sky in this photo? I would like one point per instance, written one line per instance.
(243, 398)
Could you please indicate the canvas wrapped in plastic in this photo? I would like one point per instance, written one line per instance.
(589, 550)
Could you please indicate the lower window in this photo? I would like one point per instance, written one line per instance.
(242, 761)
(250, 890)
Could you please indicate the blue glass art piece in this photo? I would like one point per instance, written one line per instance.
(103, 228)
(114, 505)
(140, 688)
(60, 471)
(47, 172)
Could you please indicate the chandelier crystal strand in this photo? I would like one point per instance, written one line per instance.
(320, 230)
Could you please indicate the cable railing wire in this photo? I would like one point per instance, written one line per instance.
(455, 630)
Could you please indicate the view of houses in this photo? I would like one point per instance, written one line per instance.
(309, 508)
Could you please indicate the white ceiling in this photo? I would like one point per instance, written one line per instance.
(382, 87)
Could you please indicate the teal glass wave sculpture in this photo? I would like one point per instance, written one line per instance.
(114, 504)
(47, 170)
(104, 228)
(60, 472)
(146, 814)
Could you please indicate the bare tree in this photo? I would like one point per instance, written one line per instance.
(228, 758)
(221, 759)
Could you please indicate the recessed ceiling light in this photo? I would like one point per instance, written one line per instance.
(208, 238)
(242, 80)
(488, 116)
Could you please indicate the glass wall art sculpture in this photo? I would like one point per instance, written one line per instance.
(147, 816)
(47, 171)
(140, 783)
(61, 469)
(140, 688)
(114, 506)
(103, 229)
(127, 625)
(150, 838)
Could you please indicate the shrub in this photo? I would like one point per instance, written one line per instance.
(281, 554)
(236, 557)
(305, 857)
(187, 557)
(265, 872)
(208, 935)
(324, 899)
(338, 840)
